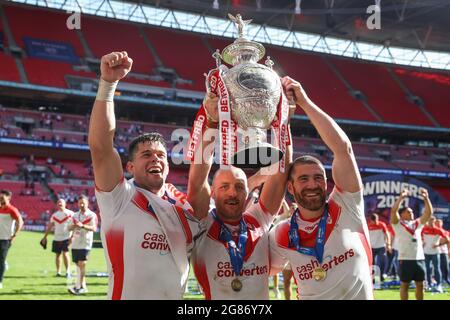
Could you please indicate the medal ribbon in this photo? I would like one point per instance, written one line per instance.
(294, 236)
(236, 253)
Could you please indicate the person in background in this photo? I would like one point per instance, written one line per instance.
(392, 266)
(380, 241)
(431, 236)
(11, 223)
(84, 224)
(410, 250)
(443, 252)
(60, 222)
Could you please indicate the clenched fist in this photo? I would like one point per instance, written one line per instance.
(115, 66)
(423, 192)
(404, 193)
(294, 91)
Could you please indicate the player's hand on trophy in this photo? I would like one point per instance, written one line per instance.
(294, 90)
(423, 192)
(211, 103)
(115, 66)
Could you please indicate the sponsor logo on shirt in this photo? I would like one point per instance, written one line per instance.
(155, 241)
(305, 271)
(225, 270)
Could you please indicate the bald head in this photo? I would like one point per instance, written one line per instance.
(61, 203)
(229, 191)
(233, 172)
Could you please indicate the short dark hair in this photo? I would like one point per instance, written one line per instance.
(83, 197)
(373, 216)
(146, 137)
(306, 159)
(402, 210)
(7, 193)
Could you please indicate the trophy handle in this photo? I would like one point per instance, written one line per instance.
(218, 57)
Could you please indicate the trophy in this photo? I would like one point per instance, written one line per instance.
(251, 101)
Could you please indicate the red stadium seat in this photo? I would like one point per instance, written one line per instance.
(383, 94)
(105, 35)
(436, 95)
(8, 69)
(41, 23)
(51, 73)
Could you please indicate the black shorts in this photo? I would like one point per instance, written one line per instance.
(60, 246)
(79, 255)
(412, 270)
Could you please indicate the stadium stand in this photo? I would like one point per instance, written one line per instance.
(436, 95)
(51, 73)
(8, 68)
(383, 94)
(41, 24)
(126, 37)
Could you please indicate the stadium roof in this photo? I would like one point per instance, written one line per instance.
(420, 24)
(332, 26)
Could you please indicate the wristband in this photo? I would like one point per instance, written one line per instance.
(106, 90)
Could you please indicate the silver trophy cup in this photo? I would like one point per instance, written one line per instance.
(254, 93)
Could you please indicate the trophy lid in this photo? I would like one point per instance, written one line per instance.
(242, 49)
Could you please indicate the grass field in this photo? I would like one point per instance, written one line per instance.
(31, 276)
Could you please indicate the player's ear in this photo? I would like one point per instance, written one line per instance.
(290, 187)
(130, 167)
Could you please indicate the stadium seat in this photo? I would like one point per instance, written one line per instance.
(105, 35)
(434, 93)
(8, 68)
(383, 94)
(34, 22)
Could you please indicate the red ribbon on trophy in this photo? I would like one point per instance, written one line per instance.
(228, 127)
(196, 133)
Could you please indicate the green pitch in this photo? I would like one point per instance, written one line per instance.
(31, 276)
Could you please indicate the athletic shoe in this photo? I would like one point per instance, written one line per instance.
(74, 291)
(438, 289)
(58, 274)
(68, 275)
(277, 293)
(82, 290)
(377, 286)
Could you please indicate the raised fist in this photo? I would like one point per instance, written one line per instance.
(423, 192)
(404, 193)
(294, 91)
(115, 66)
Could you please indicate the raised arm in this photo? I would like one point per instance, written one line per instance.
(395, 217)
(199, 190)
(428, 206)
(102, 125)
(274, 190)
(345, 170)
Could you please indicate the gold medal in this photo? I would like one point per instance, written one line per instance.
(236, 285)
(319, 274)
